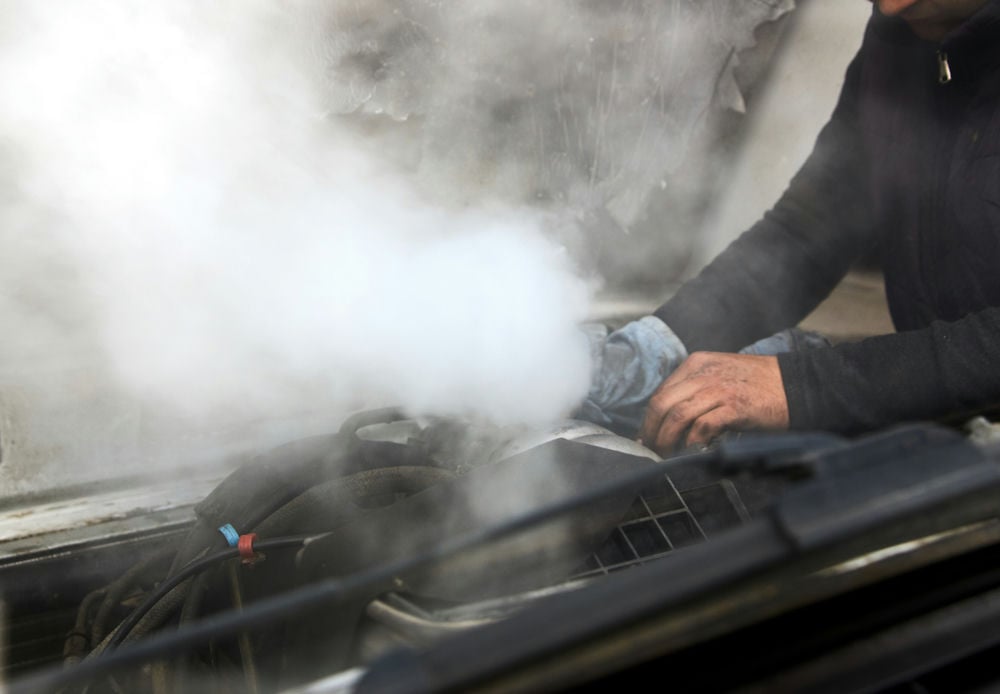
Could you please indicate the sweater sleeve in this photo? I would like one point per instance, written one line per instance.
(945, 370)
(774, 274)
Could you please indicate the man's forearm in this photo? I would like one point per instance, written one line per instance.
(779, 270)
(945, 370)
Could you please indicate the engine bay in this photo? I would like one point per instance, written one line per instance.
(322, 563)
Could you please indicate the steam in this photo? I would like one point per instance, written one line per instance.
(222, 214)
(594, 109)
(227, 248)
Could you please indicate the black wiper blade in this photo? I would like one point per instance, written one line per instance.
(905, 483)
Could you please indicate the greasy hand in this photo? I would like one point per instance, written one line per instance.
(711, 393)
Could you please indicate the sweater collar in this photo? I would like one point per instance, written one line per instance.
(979, 34)
(975, 44)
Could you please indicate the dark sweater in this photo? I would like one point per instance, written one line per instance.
(910, 166)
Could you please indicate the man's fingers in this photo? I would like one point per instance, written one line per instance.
(679, 418)
(713, 423)
(681, 385)
(663, 404)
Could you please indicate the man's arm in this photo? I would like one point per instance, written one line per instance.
(765, 282)
(946, 369)
(778, 271)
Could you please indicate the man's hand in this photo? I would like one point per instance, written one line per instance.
(711, 393)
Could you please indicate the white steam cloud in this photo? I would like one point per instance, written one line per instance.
(235, 215)
(177, 199)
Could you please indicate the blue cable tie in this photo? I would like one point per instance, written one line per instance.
(229, 532)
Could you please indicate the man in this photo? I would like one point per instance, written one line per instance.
(909, 162)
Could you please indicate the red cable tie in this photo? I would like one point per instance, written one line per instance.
(245, 546)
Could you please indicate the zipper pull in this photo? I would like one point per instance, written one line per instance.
(944, 69)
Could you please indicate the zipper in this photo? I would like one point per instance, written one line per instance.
(944, 69)
(949, 112)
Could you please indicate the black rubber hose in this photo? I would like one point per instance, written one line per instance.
(116, 590)
(156, 615)
(169, 585)
(334, 502)
(255, 490)
(78, 641)
(313, 508)
(189, 610)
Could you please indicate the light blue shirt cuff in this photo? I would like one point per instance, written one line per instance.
(627, 367)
